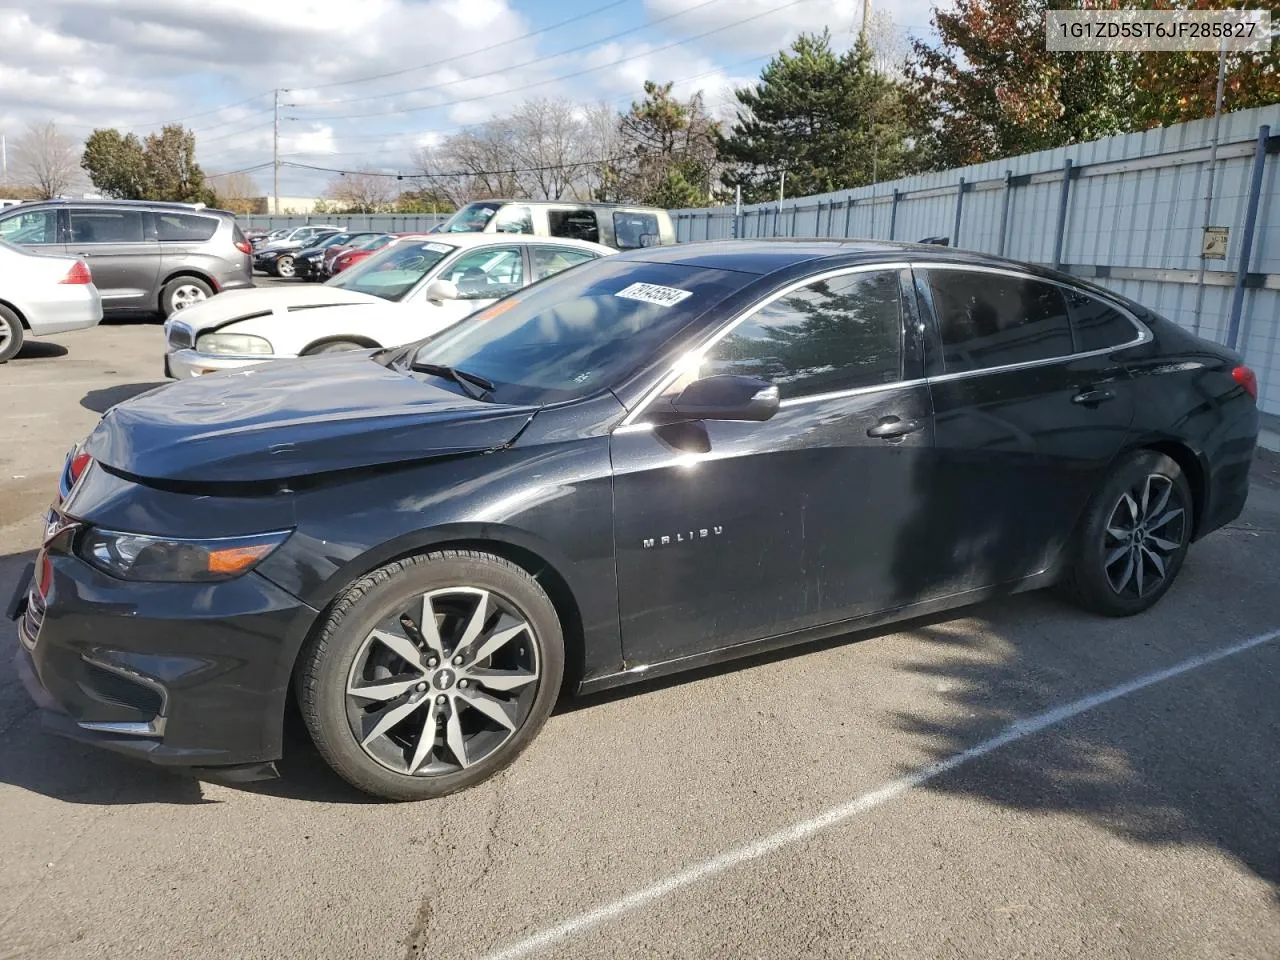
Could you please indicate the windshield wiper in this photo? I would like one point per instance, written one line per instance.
(475, 386)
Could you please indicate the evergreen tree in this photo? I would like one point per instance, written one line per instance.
(829, 120)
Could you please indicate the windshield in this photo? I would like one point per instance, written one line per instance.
(472, 218)
(395, 271)
(579, 331)
(375, 241)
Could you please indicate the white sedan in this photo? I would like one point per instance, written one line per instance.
(409, 290)
(41, 295)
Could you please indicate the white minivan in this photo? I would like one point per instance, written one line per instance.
(408, 290)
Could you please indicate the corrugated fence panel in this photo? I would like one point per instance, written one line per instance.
(1133, 222)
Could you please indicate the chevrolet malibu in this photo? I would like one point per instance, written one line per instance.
(657, 460)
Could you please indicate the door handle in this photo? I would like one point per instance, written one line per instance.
(1091, 398)
(893, 428)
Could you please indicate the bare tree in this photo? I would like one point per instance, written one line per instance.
(236, 191)
(548, 140)
(362, 191)
(889, 47)
(600, 129)
(47, 160)
(478, 164)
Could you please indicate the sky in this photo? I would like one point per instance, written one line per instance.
(363, 82)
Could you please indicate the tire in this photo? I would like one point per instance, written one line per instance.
(1133, 538)
(283, 267)
(12, 334)
(182, 292)
(333, 346)
(369, 642)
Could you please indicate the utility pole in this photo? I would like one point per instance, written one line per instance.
(275, 157)
(866, 19)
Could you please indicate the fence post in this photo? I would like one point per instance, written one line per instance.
(831, 216)
(1246, 246)
(1061, 229)
(848, 216)
(893, 213)
(955, 233)
(1004, 213)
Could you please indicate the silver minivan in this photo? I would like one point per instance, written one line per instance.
(144, 255)
(615, 225)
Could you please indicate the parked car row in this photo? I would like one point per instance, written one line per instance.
(413, 287)
(43, 293)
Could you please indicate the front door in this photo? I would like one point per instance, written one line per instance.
(1030, 408)
(726, 532)
(122, 253)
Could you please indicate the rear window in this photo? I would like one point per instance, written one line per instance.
(994, 320)
(634, 230)
(1097, 325)
(184, 226)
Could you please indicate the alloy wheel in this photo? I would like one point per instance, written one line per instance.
(284, 267)
(1146, 530)
(442, 684)
(188, 294)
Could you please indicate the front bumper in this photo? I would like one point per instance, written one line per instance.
(185, 364)
(181, 675)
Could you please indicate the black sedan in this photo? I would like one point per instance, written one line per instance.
(308, 263)
(661, 459)
(280, 259)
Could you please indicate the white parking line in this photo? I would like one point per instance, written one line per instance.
(837, 815)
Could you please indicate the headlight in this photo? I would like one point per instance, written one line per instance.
(233, 344)
(133, 556)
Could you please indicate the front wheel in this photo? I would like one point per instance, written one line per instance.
(285, 267)
(1133, 538)
(333, 346)
(431, 674)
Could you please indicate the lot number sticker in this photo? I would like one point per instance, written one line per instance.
(654, 293)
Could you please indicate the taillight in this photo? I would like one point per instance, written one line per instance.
(78, 464)
(45, 576)
(78, 274)
(1247, 379)
(244, 246)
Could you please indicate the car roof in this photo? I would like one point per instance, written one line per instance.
(108, 203)
(491, 239)
(570, 203)
(765, 256)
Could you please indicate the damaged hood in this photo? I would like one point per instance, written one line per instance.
(293, 418)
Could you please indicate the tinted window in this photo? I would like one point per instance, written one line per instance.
(471, 218)
(33, 227)
(633, 230)
(1097, 326)
(106, 226)
(551, 260)
(513, 219)
(182, 226)
(837, 334)
(574, 224)
(581, 331)
(487, 273)
(991, 319)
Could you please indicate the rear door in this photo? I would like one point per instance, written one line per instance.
(547, 261)
(1029, 412)
(728, 532)
(120, 247)
(180, 236)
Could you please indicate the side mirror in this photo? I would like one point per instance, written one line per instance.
(726, 397)
(440, 290)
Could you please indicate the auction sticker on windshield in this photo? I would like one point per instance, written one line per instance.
(654, 293)
(437, 247)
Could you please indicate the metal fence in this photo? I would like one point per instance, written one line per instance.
(387, 222)
(1126, 212)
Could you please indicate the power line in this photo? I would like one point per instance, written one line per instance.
(453, 173)
(470, 53)
(508, 67)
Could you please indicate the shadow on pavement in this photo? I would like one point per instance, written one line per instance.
(100, 401)
(40, 350)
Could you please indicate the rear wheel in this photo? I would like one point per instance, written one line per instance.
(182, 292)
(285, 267)
(1133, 538)
(11, 333)
(432, 674)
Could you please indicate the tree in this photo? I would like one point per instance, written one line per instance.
(477, 164)
(116, 164)
(424, 200)
(172, 171)
(829, 120)
(668, 150)
(361, 192)
(46, 160)
(548, 143)
(235, 192)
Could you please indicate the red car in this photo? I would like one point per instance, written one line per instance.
(337, 259)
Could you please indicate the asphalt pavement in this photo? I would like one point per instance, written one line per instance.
(1022, 780)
